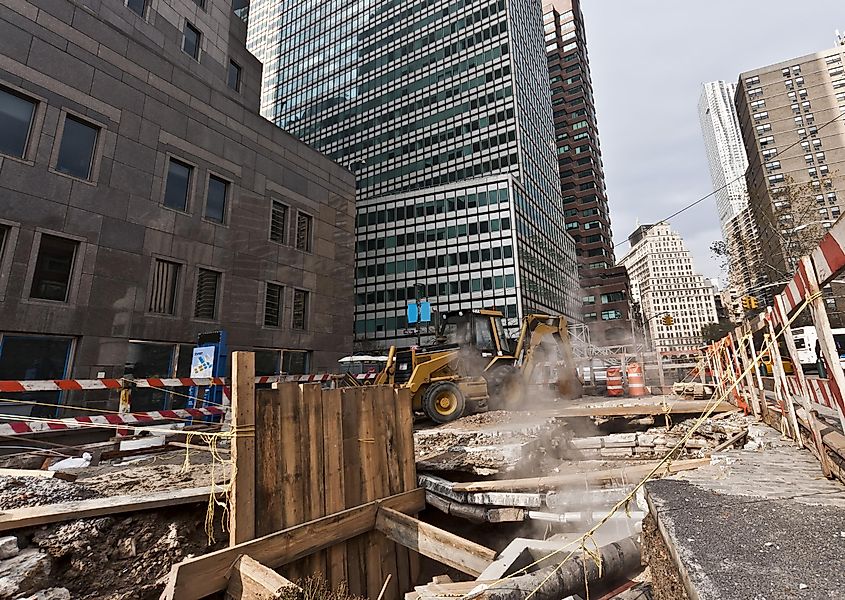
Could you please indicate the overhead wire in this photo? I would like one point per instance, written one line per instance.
(731, 182)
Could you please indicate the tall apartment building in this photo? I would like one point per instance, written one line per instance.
(664, 282)
(442, 111)
(728, 163)
(790, 116)
(144, 200)
(605, 302)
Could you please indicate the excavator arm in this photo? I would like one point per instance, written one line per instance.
(544, 340)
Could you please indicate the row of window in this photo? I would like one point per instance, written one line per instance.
(77, 157)
(57, 259)
(192, 40)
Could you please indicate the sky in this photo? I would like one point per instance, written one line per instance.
(648, 60)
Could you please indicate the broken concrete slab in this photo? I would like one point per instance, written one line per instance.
(50, 594)
(8, 547)
(28, 571)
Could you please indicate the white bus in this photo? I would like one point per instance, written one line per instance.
(805, 342)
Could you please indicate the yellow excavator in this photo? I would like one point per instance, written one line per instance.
(472, 365)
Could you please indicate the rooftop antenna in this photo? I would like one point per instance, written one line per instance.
(840, 38)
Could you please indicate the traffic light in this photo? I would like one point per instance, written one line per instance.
(750, 303)
(668, 320)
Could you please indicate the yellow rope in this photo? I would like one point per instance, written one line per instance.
(665, 461)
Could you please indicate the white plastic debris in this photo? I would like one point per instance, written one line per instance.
(72, 463)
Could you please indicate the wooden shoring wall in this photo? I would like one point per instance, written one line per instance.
(318, 452)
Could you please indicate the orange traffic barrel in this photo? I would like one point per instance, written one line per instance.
(614, 382)
(636, 383)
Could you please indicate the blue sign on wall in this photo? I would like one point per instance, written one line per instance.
(425, 312)
(413, 314)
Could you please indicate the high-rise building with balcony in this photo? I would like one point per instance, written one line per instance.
(605, 297)
(728, 163)
(443, 112)
(791, 118)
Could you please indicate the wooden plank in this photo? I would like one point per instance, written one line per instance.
(268, 485)
(437, 544)
(250, 580)
(293, 489)
(627, 474)
(370, 481)
(38, 473)
(356, 557)
(407, 463)
(242, 498)
(199, 577)
(333, 475)
(678, 407)
(68, 511)
(389, 483)
(314, 483)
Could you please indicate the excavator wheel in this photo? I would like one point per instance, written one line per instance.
(506, 387)
(443, 402)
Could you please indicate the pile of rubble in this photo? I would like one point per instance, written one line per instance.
(114, 557)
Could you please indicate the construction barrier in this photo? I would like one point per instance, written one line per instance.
(636, 383)
(614, 382)
(797, 401)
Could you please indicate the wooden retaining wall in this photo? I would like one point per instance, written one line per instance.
(315, 453)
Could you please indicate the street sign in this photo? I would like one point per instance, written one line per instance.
(413, 313)
(425, 312)
(202, 362)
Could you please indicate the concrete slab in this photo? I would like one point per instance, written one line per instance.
(755, 525)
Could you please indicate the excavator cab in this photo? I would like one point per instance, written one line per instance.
(481, 330)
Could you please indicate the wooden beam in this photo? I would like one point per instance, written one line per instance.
(68, 511)
(250, 580)
(435, 543)
(37, 473)
(202, 576)
(647, 408)
(242, 498)
(627, 474)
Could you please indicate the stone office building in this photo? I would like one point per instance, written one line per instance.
(144, 201)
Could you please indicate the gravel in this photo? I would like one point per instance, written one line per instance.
(21, 492)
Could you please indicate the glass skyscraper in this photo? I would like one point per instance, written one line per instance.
(442, 110)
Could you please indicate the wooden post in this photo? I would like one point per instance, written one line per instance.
(242, 509)
(812, 416)
(660, 373)
(746, 362)
(781, 387)
(828, 345)
(764, 406)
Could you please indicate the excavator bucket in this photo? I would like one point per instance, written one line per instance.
(548, 356)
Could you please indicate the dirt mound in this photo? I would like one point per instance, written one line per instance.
(124, 558)
(20, 492)
(113, 558)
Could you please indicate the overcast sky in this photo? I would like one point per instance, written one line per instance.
(648, 59)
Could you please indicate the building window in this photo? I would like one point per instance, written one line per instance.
(191, 41)
(200, 3)
(205, 306)
(611, 315)
(16, 115)
(53, 268)
(178, 185)
(304, 225)
(76, 153)
(273, 305)
(234, 79)
(137, 6)
(278, 222)
(215, 202)
(300, 309)
(163, 287)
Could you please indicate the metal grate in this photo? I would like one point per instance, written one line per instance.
(206, 302)
(303, 232)
(300, 309)
(273, 305)
(278, 222)
(163, 287)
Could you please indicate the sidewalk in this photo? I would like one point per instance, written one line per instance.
(757, 524)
